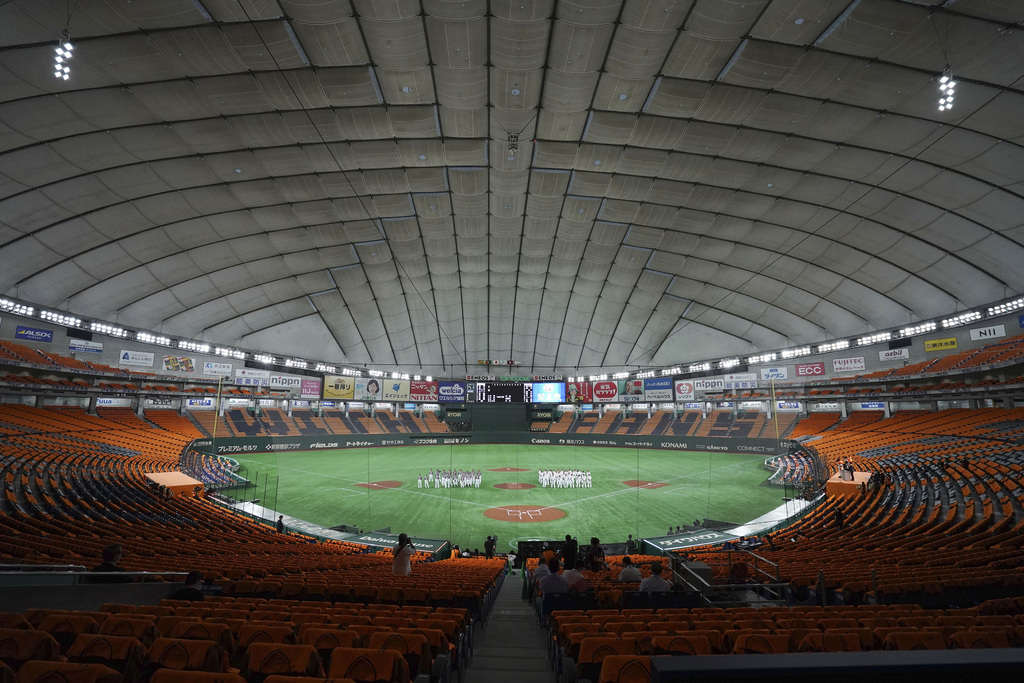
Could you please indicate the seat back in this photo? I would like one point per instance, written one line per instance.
(18, 646)
(412, 646)
(263, 659)
(66, 672)
(625, 669)
(682, 644)
(186, 654)
(122, 653)
(364, 665)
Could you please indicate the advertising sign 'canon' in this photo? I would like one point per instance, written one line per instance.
(809, 369)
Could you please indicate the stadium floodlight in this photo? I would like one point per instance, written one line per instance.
(874, 338)
(620, 375)
(149, 338)
(947, 87)
(324, 367)
(728, 363)
(1006, 307)
(645, 374)
(700, 367)
(60, 318)
(760, 360)
(962, 319)
(839, 345)
(796, 353)
(350, 372)
(62, 57)
(197, 347)
(923, 328)
(14, 307)
(295, 363)
(109, 330)
(429, 378)
(230, 353)
(376, 373)
(264, 358)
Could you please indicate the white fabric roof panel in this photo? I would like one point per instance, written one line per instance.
(205, 178)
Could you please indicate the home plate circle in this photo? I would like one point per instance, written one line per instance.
(514, 486)
(524, 513)
(640, 484)
(381, 485)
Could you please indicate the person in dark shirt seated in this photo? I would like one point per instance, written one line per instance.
(191, 590)
(111, 556)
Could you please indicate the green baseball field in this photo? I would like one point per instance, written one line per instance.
(639, 492)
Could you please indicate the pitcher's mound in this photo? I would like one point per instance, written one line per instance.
(524, 513)
(637, 483)
(514, 486)
(508, 469)
(381, 485)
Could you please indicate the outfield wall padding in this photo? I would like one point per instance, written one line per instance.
(233, 446)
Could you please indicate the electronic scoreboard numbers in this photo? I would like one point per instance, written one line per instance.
(504, 392)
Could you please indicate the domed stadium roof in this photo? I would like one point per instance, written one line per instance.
(568, 183)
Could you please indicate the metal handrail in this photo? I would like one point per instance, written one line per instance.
(39, 568)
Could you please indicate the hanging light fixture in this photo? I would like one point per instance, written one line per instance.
(61, 68)
(946, 88)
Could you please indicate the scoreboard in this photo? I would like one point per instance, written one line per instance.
(520, 392)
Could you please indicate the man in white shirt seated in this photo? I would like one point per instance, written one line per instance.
(572, 576)
(629, 573)
(654, 583)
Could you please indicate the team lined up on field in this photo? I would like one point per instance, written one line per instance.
(564, 479)
(447, 479)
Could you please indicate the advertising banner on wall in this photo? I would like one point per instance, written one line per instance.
(200, 403)
(179, 364)
(420, 390)
(709, 384)
(395, 390)
(369, 388)
(217, 369)
(740, 380)
(894, 354)
(802, 370)
(339, 387)
(451, 392)
(775, 373)
(606, 391)
(579, 392)
(139, 358)
(33, 334)
(103, 402)
(279, 381)
(847, 364)
(946, 344)
(248, 377)
(83, 346)
(986, 333)
(631, 390)
(658, 389)
(787, 405)
(684, 391)
(310, 388)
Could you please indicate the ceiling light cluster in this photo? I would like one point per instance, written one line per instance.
(962, 319)
(834, 346)
(874, 338)
(700, 367)
(230, 353)
(796, 353)
(597, 378)
(196, 347)
(946, 88)
(923, 328)
(728, 363)
(14, 307)
(265, 358)
(61, 69)
(147, 338)
(324, 367)
(1007, 307)
(763, 358)
(60, 319)
(109, 330)
(645, 374)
